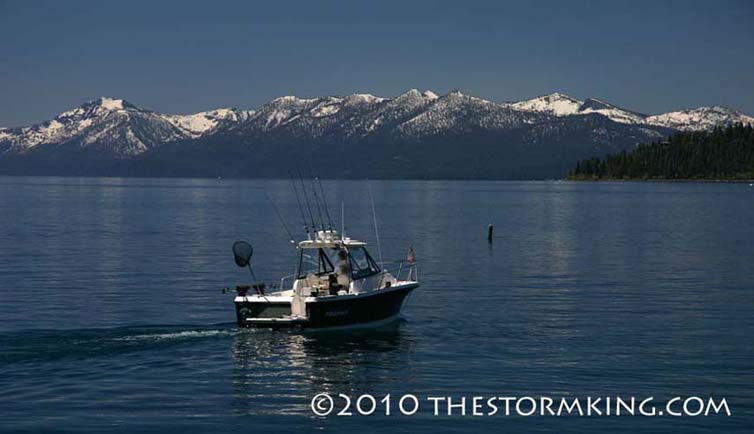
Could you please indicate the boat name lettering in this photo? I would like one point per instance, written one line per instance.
(331, 313)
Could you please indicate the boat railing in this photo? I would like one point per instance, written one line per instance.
(407, 269)
(284, 278)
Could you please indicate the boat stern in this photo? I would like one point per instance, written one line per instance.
(260, 311)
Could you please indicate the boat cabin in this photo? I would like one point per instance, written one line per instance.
(331, 265)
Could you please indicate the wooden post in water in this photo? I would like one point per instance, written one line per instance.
(489, 233)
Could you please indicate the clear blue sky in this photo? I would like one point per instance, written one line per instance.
(189, 56)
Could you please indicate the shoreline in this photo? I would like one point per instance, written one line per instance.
(657, 180)
(671, 180)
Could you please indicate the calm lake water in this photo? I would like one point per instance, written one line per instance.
(112, 319)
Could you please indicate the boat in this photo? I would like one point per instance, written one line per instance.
(337, 284)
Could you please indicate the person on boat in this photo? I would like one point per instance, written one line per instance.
(343, 269)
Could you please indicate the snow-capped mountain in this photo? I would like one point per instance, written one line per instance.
(335, 117)
(315, 117)
(702, 118)
(458, 113)
(410, 115)
(115, 126)
(558, 104)
(417, 131)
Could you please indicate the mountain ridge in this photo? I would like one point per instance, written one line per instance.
(544, 135)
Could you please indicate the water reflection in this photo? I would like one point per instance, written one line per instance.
(279, 372)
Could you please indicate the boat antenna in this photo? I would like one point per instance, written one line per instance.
(306, 198)
(280, 217)
(300, 208)
(324, 201)
(316, 201)
(374, 218)
(342, 220)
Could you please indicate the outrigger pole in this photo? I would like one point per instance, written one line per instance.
(300, 208)
(306, 198)
(324, 200)
(280, 217)
(316, 201)
(374, 218)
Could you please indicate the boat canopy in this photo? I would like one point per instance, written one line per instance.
(329, 238)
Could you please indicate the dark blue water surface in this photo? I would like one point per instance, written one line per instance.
(112, 319)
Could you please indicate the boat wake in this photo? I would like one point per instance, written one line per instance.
(51, 345)
(174, 336)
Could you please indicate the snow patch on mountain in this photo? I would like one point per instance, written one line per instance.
(111, 103)
(201, 123)
(430, 95)
(325, 110)
(702, 118)
(617, 114)
(363, 98)
(556, 104)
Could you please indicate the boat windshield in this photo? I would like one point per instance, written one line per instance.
(320, 262)
(316, 261)
(362, 265)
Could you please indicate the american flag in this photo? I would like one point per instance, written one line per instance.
(411, 257)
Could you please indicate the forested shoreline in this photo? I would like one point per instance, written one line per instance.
(725, 153)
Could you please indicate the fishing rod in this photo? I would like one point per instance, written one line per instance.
(280, 217)
(306, 198)
(316, 201)
(376, 232)
(324, 200)
(300, 208)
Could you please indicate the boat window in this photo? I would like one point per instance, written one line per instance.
(362, 265)
(313, 261)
